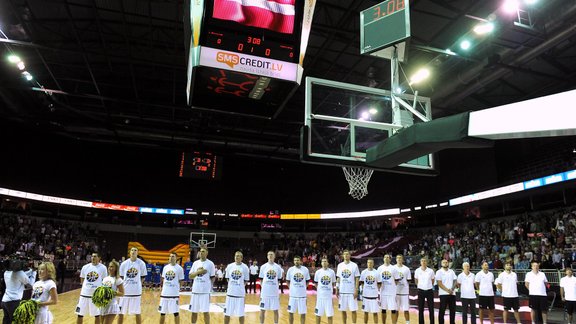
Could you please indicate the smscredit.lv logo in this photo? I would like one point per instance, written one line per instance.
(227, 58)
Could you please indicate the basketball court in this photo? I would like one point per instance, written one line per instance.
(64, 311)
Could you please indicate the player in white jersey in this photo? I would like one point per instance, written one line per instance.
(568, 292)
(202, 272)
(370, 281)
(536, 281)
(403, 288)
(347, 278)
(485, 285)
(297, 277)
(507, 283)
(389, 275)
(133, 271)
(44, 292)
(116, 283)
(238, 275)
(91, 277)
(325, 280)
(270, 275)
(172, 277)
(446, 279)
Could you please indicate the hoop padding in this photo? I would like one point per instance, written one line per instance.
(358, 179)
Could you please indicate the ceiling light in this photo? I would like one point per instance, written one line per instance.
(365, 115)
(14, 59)
(465, 44)
(27, 75)
(511, 6)
(21, 66)
(419, 76)
(373, 111)
(484, 28)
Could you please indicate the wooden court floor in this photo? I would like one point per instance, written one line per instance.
(64, 311)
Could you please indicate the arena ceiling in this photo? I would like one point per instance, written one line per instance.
(115, 70)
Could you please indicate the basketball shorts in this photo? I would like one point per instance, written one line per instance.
(388, 303)
(269, 303)
(347, 302)
(85, 307)
(168, 305)
(324, 307)
(234, 306)
(199, 303)
(370, 305)
(297, 305)
(130, 305)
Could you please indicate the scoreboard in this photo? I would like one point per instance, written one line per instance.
(246, 56)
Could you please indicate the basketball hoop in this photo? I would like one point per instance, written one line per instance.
(358, 179)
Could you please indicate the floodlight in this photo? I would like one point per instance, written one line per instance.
(14, 59)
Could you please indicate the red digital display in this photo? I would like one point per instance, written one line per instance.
(387, 8)
(274, 15)
(257, 45)
(200, 165)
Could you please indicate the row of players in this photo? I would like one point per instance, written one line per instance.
(385, 289)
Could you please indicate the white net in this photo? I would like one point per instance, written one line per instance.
(358, 179)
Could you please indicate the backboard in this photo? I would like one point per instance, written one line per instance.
(202, 239)
(343, 120)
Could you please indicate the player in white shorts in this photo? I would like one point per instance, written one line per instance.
(270, 274)
(370, 281)
(202, 272)
(133, 271)
(91, 277)
(347, 278)
(297, 277)
(325, 280)
(403, 288)
(172, 276)
(238, 275)
(389, 276)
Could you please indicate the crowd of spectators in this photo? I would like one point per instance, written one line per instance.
(47, 239)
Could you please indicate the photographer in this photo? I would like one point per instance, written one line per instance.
(15, 280)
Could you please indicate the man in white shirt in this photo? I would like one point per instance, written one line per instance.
(424, 278)
(568, 292)
(172, 276)
(253, 276)
(325, 280)
(133, 271)
(388, 276)
(446, 279)
(536, 282)
(347, 279)
(270, 275)
(91, 277)
(297, 277)
(403, 288)
(484, 281)
(202, 272)
(370, 281)
(15, 282)
(238, 275)
(465, 282)
(507, 282)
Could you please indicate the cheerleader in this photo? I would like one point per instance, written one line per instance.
(44, 292)
(116, 283)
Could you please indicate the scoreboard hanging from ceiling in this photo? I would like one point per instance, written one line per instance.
(246, 56)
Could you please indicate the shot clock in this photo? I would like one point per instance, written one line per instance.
(248, 51)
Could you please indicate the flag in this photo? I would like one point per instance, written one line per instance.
(274, 15)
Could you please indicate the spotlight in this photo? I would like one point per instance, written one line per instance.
(27, 75)
(484, 28)
(511, 6)
(421, 75)
(465, 44)
(364, 115)
(398, 90)
(530, 2)
(14, 59)
(373, 111)
(21, 66)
